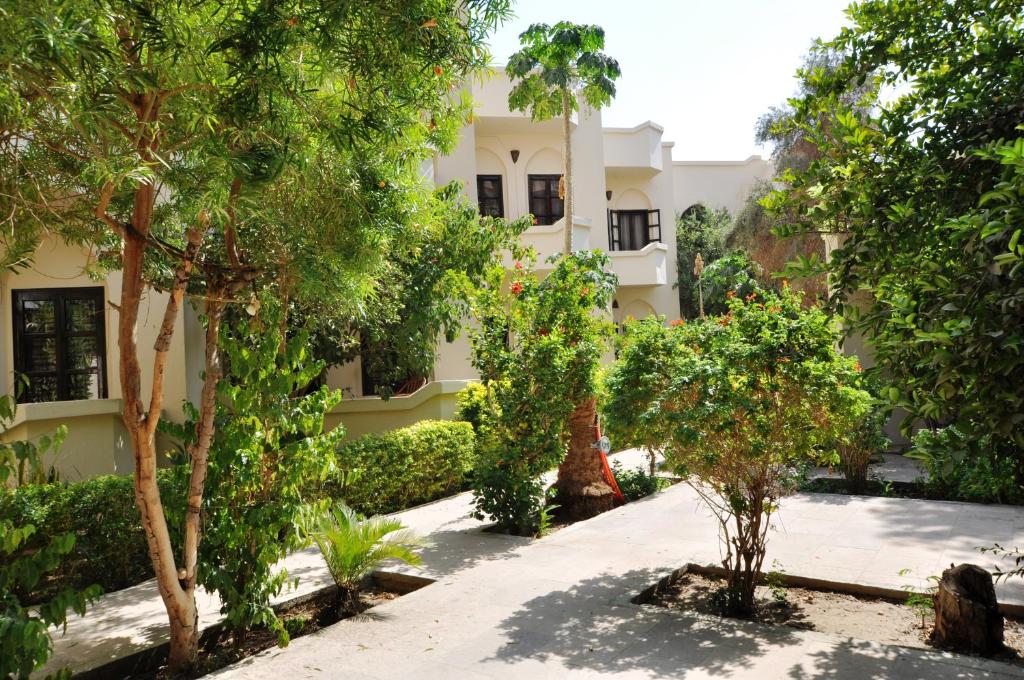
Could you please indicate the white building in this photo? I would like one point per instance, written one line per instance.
(628, 191)
(56, 323)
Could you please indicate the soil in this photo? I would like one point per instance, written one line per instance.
(825, 611)
(218, 647)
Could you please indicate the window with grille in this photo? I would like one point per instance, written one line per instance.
(489, 195)
(545, 204)
(60, 344)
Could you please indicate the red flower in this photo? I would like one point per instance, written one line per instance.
(544, 331)
(751, 297)
(730, 295)
(857, 367)
(519, 265)
(725, 320)
(678, 322)
(438, 70)
(517, 288)
(585, 291)
(785, 283)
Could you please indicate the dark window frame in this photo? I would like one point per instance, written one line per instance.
(549, 216)
(500, 198)
(61, 372)
(652, 229)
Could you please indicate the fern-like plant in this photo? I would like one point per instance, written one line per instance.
(354, 546)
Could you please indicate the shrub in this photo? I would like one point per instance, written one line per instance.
(25, 644)
(402, 468)
(110, 548)
(733, 275)
(858, 419)
(968, 468)
(472, 406)
(637, 483)
(698, 230)
(354, 546)
(740, 402)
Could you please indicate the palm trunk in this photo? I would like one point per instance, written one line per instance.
(568, 201)
(581, 489)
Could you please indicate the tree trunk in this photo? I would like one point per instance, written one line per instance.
(967, 617)
(568, 201)
(581, 491)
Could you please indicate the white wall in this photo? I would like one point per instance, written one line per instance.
(717, 184)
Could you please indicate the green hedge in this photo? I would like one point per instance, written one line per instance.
(110, 548)
(396, 470)
(406, 467)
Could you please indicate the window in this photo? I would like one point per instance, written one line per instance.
(488, 192)
(545, 205)
(633, 229)
(59, 343)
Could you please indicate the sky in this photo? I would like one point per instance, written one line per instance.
(705, 70)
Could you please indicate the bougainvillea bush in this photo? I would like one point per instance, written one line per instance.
(537, 346)
(740, 402)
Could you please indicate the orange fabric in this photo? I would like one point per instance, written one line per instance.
(609, 478)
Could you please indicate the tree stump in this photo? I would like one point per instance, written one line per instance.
(967, 617)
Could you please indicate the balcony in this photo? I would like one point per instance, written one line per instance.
(633, 150)
(546, 239)
(645, 267)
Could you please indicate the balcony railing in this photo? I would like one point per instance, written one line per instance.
(633, 229)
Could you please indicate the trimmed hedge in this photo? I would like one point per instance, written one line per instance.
(396, 470)
(110, 548)
(405, 467)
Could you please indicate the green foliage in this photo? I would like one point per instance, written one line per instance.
(926, 189)
(739, 402)
(110, 546)
(25, 643)
(858, 419)
(637, 483)
(420, 295)
(698, 230)
(472, 406)
(354, 546)
(537, 349)
(557, 62)
(391, 471)
(961, 466)
(732, 275)
(269, 450)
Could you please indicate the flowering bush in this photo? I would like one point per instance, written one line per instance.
(537, 348)
(739, 402)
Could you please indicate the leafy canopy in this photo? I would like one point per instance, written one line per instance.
(556, 62)
(925, 191)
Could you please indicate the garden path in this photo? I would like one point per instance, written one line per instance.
(559, 607)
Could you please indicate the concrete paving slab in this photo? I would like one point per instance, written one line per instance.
(557, 607)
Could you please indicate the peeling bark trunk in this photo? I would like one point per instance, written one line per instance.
(581, 490)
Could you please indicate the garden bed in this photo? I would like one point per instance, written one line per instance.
(879, 619)
(218, 648)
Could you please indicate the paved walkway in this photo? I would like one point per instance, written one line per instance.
(559, 607)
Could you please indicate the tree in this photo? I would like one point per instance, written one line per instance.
(923, 191)
(537, 347)
(703, 231)
(194, 144)
(740, 402)
(269, 451)
(557, 66)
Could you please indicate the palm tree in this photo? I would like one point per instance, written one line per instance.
(354, 546)
(557, 67)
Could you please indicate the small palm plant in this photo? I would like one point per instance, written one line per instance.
(354, 546)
